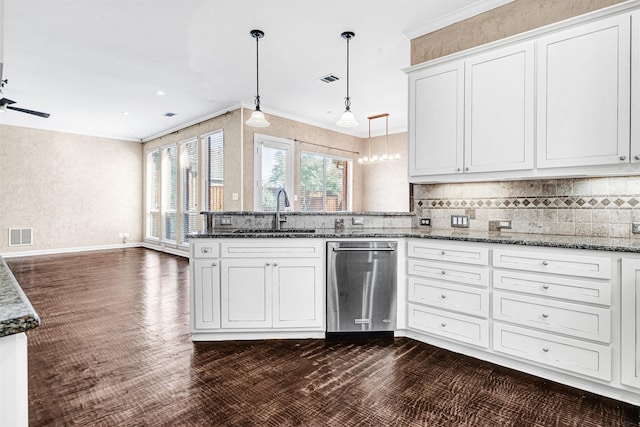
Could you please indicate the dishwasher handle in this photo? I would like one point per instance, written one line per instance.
(387, 249)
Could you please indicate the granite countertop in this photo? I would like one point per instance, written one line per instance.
(546, 240)
(16, 313)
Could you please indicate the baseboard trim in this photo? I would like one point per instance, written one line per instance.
(70, 250)
(166, 249)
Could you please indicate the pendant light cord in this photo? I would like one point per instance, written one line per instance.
(257, 100)
(347, 101)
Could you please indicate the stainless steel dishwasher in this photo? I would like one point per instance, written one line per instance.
(361, 288)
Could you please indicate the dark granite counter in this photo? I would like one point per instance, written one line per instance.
(16, 313)
(545, 240)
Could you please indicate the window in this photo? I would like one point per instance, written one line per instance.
(153, 195)
(324, 183)
(214, 144)
(273, 169)
(190, 194)
(170, 192)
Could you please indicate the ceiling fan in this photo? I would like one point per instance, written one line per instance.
(5, 103)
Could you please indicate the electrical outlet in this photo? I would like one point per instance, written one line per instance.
(635, 227)
(425, 221)
(357, 220)
(225, 220)
(503, 224)
(460, 221)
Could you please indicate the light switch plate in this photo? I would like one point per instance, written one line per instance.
(635, 227)
(460, 221)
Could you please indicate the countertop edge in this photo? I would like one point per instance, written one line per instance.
(16, 315)
(551, 241)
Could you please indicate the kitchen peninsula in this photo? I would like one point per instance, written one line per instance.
(559, 307)
(16, 317)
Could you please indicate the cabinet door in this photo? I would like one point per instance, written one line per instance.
(246, 293)
(583, 95)
(499, 110)
(630, 322)
(298, 293)
(635, 89)
(436, 128)
(206, 294)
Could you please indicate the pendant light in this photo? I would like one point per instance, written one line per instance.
(367, 160)
(347, 120)
(257, 117)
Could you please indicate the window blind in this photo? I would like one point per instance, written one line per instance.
(190, 193)
(153, 195)
(215, 171)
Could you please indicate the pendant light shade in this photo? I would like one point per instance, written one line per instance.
(347, 120)
(257, 117)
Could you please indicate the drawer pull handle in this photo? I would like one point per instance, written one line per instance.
(443, 253)
(545, 349)
(545, 262)
(545, 286)
(443, 296)
(443, 324)
(443, 272)
(275, 264)
(267, 264)
(545, 315)
(205, 250)
(213, 264)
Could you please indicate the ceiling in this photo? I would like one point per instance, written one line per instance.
(97, 66)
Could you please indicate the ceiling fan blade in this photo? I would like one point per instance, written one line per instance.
(35, 113)
(5, 101)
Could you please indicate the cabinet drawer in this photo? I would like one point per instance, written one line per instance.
(442, 251)
(554, 262)
(449, 325)
(466, 274)
(577, 320)
(553, 286)
(449, 296)
(581, 357)
(205, 249)
(260, 248)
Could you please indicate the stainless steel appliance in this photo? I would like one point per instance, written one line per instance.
(361, 288)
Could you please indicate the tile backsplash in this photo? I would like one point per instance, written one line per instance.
(599, 207)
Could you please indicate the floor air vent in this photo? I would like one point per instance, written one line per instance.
(20, 236)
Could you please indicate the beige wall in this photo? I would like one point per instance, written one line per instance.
(385, 185)
(73, 190)
(289, 129)
(513, 18)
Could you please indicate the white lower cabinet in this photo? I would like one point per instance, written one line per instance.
(206, 293)
(555, 351)
(630, 322)
(242, 286)
(447, 291)
(449, 325)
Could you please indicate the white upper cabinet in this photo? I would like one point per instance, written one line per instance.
(499, 92)
(583, 98)
(635, 89)
(436, 108)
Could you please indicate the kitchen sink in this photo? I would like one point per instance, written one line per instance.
(271, 230)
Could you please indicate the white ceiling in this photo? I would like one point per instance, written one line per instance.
(88, 62)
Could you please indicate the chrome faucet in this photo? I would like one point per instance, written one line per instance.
(286, 204)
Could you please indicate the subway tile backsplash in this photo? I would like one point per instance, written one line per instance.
(599, 207)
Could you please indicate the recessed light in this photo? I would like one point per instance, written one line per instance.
(125, 113)
(159, 93)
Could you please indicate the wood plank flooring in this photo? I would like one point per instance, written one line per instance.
(114, 350)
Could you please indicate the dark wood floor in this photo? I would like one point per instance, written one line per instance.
(114, 350)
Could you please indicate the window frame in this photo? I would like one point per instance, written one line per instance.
(149, 194)
(348, 185)
(260, 141)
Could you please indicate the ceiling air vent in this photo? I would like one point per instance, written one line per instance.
(329, 78)
(169, 114)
